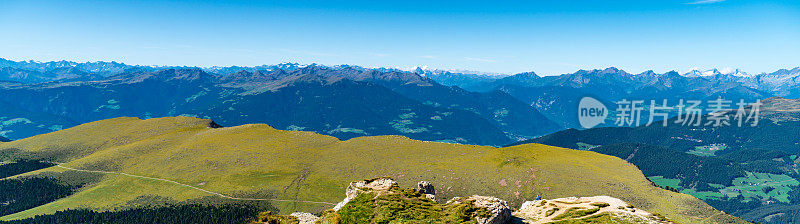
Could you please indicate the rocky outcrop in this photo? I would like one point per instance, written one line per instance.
(378, 185)
(305, 218)
(426, 188)
(485, 209)
(499, 212)
(545, 211)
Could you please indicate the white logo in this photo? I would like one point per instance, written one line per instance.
(591, 112)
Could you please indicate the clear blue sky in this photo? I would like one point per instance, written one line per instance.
(548, 37)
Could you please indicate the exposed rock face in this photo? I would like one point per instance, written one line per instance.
(426, 188)
(499, 212)
(305, 218)
(545, 211)
(379, 185)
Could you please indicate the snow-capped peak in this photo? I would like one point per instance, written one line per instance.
(693, 73)
(711, 72)
(739, 73)
(715, 72)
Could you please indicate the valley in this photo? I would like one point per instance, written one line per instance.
(736, 169)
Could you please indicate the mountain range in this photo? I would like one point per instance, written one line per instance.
(343, 101)
(557, 96)
(422, 104)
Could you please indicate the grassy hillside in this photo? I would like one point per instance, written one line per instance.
(301, 168)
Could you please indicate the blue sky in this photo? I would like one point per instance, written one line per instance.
(548, 37)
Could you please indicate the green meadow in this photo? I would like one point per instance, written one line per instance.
(305, 171)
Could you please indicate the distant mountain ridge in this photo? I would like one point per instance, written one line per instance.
(763, 81)
(328, 100)
(557, 96)
(521, 106)
(780, 82)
